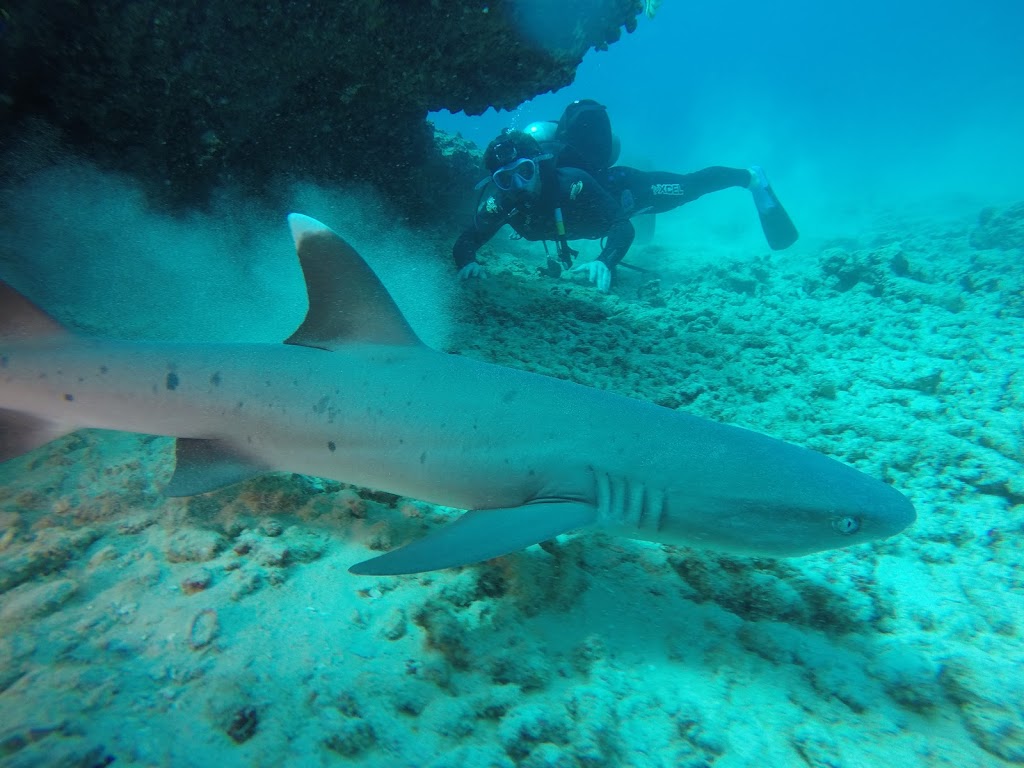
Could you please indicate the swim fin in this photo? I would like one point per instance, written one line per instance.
(778, 228)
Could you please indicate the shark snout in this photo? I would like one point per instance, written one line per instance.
(859, 508)
(889, 513)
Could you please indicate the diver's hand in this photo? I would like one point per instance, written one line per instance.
(597, 272)
(471, 270)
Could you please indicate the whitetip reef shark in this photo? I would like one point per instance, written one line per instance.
(353, 395)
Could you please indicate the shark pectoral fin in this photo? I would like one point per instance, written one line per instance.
(480, 535)
(22, 432)
(202, 466)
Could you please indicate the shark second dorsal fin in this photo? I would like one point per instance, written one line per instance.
(347, 302)
(20, 319)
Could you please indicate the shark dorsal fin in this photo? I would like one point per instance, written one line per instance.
(347, 302)
(20, 319)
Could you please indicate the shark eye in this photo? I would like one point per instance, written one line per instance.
(846, 525)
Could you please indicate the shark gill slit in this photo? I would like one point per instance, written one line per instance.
(631, 505)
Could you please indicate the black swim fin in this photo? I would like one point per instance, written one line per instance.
(778, 228)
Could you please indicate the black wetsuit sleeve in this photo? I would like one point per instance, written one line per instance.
(488, 220)
(464, 250)
(620, 238)
(618, 229)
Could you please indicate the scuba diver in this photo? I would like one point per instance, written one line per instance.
(559, 182)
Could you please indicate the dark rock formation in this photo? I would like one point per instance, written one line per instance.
(189, 94)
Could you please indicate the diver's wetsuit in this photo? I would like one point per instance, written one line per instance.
(593, 208)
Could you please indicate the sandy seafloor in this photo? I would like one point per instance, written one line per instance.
(225, 630)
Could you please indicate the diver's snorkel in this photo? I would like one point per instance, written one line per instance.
(565, 253)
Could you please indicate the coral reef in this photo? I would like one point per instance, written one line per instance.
(193, 94)
(127, 619)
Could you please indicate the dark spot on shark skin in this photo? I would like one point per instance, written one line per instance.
(81, 379)
(239, 405)
(401, 441)
(69, 398)
(215, 379)
(331, 446)
(42, 375)
(509, 396)
(103, 369)
(531, 473)
(172, 380)
(3, 361)
(423, 458)
(321, 405)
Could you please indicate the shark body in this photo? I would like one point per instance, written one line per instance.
(354, 396)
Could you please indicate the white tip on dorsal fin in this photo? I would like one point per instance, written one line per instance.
(301, 225)
(347, 302)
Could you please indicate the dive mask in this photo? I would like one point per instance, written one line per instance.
(515, 175)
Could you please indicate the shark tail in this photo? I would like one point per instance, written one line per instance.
(21, 320)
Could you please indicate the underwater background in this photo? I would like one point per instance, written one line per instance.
(851, 107)
(225, 629)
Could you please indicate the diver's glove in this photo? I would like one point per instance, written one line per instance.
(471, 270)
(597, 272)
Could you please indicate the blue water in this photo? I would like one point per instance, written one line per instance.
(848, 105)
(226, 630)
